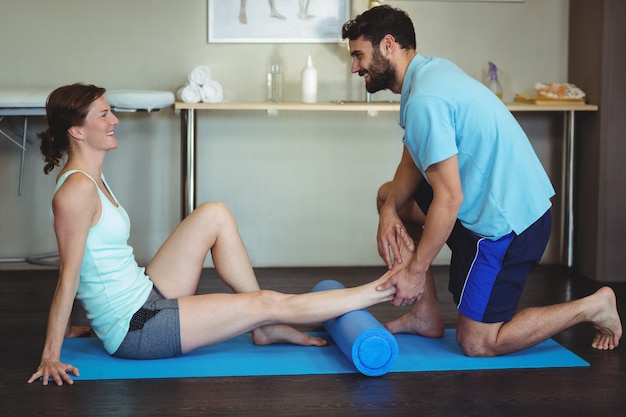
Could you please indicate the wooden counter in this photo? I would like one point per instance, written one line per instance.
(188, 144)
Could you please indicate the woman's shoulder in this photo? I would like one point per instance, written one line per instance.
(67, 173)
(75, 190)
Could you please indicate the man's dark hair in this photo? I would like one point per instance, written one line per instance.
(377, 22)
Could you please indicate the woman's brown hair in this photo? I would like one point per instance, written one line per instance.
(66, 106)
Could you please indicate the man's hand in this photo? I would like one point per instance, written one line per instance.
(409, 285)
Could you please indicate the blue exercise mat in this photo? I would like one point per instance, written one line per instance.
(240, 357)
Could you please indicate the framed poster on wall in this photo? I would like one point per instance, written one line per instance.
(276, 21)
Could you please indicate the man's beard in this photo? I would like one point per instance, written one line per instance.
(381, 74)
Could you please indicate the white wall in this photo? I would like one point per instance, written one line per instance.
(302, 185)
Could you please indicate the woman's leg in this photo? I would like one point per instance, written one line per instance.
(177, 265)
(176, 268)
(212, 318)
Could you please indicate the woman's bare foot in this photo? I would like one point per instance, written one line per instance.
(279, 333)
(79, 331)
(606, 321)
(406, 245)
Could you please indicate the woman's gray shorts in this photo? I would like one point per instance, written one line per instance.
(154, 330)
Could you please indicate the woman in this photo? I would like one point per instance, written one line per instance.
(153, 312)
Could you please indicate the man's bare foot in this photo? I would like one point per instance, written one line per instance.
(420, 324)
(606, 321)
(277, 15)
(243, 19)
(424, 318)
(279, 333)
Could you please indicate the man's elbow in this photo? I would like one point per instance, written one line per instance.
(454, 201)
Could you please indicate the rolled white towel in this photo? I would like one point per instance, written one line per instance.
(190, 93)
(199, 75)
(212, 92)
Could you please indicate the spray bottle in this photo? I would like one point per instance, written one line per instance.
(492, 82)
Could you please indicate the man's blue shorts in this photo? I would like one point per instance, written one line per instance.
(487, 277)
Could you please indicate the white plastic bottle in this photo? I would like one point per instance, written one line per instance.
(309, 82)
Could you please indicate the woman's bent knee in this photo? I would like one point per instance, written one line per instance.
(213, 207)
(215, 211)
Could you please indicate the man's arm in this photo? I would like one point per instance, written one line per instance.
(442, 214)
(447, 198)
(404, 185)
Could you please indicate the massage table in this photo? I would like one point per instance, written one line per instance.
(21, 103)
(28, 102)
(31, 102)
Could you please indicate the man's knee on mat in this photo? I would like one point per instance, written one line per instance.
(477, 339)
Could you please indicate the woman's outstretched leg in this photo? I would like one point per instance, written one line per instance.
(212, 318)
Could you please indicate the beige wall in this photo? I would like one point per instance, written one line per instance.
(302, 185)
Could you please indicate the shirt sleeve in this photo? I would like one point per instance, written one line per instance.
(430, 131)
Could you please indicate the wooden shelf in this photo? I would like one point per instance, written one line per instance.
(361, 106)
(551, 107)
(329, 106)
(188, 112)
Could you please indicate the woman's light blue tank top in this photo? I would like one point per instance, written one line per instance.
(112, 286)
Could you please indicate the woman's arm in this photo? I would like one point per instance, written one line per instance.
(76, 208)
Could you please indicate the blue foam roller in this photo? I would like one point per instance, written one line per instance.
(364, 340)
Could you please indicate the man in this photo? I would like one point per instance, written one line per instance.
(468, 177)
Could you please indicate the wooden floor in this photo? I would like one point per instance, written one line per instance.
(598, 390)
